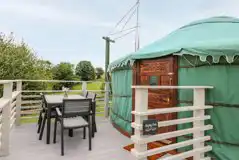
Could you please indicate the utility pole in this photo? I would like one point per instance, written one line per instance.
(107, 55)
(107, 85)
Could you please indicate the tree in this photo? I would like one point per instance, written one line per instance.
(85, 70)
(99, 72)
(63, 71)
(18, 61)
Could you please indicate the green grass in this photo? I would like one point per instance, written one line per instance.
(29, 120)
(90, 85)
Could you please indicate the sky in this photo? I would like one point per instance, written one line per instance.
(72, 30)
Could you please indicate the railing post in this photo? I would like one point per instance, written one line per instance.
(106, 108)
(198, 100)
(7, 94)
(18, 103)
(141, 105)
(84, 86)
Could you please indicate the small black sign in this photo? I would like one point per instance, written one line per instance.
(150, 127)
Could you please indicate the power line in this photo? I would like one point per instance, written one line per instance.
(130, 10)
(123, 30)
(129, 18)
(124, 35)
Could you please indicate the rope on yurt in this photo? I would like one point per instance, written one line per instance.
(188, 61)
(120, 117)
(195, 64)
(125, 96)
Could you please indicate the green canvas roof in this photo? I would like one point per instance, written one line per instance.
(121, 62)
(216, 37)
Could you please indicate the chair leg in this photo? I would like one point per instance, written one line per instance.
(94, 124)
(62, 141)
(70, 133)
(42, 127)
(39, 122)
(55, 128)
(90, 136)
(92, 131)
(84, 132)
(95, 128)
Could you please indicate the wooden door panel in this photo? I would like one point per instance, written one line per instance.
(162, 71)
(144, 80)
(166, 80)
(155, 66)
(158, 100)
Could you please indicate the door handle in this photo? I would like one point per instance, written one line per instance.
(170, 81)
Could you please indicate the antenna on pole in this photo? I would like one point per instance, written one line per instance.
(128, 16)
(137, 42)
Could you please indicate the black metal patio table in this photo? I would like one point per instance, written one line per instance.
(55, 100)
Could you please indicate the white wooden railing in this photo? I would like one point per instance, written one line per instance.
(9, 113)
(17, 104)
(142, 112)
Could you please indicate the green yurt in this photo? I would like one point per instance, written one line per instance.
(204, 53)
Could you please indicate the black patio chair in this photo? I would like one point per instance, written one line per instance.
(71, 118)
(43, 116)
(84, 93)
(92, 96)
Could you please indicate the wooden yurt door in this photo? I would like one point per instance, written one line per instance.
(162, 71)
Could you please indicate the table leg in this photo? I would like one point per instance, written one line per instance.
(70, 133)
(48, 125)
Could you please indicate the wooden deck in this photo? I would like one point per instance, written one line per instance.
(107, 144)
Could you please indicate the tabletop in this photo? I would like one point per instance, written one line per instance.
(58, 99)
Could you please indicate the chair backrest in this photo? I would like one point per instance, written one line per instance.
(85, 93)
(43, 99)
(91, 96)
(73, 107)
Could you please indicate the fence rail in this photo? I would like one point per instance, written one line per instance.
(142, 112)
(18, 104)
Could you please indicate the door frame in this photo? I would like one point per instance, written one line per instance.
(136, 81)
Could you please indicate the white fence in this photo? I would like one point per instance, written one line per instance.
(9, 113)
(142, 112)
(17, 104)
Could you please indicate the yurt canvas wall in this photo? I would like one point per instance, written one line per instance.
(122, 100)
(224, 97)
(191, 71)
(121, 75)
(207, 53)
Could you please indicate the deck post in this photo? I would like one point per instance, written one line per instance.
(141, 105)
(18, 103)
(84, 86)
(199, 101)
(7, 94)
(106, 108)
